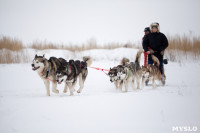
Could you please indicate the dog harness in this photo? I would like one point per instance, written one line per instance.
(47, 74)
(129, 72)
(135, 67)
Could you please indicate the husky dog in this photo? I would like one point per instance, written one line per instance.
(151, 72)
(126, 72)
(70, 71)
(131, 71)
(46, 69)
(114, 77)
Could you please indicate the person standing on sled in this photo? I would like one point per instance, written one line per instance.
(146, 32)
(155, 43)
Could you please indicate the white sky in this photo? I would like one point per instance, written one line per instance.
(76, 21)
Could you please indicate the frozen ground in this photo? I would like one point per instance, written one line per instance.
(24, 107)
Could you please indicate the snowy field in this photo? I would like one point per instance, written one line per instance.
(100, 108)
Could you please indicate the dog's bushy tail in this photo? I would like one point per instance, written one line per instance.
(88, 60)
(124, 61)
(155, 59)
(137, 59)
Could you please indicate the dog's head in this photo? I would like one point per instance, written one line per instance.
(146, 70)
(61, 76)
(113, 74)
(38, 63)
(121, 72)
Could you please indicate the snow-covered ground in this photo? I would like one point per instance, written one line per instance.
(100, 108)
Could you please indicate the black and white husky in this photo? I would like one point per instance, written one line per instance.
(71, 71)
(113, 74)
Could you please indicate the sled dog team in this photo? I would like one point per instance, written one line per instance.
(58, 70)
(128, 72)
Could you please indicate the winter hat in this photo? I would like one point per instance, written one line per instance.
(155, 25)
(147, 29)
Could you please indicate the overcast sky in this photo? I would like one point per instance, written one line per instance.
(76, 21)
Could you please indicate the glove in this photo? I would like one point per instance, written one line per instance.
(162, 52)
(151, 51)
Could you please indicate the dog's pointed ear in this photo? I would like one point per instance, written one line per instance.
(43, 55)
(35, 55)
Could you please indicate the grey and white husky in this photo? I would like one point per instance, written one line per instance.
(46, 69)
(131, 71)
(126, 72)
(71, 71)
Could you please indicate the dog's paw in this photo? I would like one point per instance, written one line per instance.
(79, 91)
(56, 91)
(64, 91)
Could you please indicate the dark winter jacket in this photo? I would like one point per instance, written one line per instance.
(156, 41)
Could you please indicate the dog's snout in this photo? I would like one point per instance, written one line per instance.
(32, 65)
